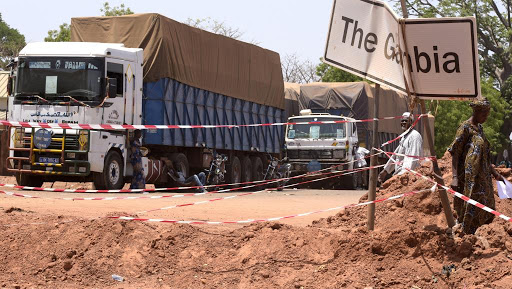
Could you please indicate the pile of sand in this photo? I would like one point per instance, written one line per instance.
(408, 249)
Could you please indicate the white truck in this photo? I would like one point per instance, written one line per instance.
(311, 147)
(164, 79)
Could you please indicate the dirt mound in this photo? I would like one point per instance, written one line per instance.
(410, 248)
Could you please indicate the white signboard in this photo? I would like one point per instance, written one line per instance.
(365, 38)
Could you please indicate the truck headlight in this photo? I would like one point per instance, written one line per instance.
(339, 154)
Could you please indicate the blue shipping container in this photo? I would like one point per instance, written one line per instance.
(168, 101)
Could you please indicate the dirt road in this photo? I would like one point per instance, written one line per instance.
(260, 205)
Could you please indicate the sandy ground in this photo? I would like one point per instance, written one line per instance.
(260, 205)
(47, 243)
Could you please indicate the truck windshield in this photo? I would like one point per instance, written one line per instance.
(54, 78)
(317, 131)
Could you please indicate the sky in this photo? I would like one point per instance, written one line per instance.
(286, 26)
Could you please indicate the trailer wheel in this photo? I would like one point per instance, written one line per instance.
(234, 171)
(257, 169)
(180, 163)
(29, 180)
(113, 171)
(246, 169)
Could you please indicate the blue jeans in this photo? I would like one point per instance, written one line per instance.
(199, 180)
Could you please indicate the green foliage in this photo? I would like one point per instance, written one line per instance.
(11, 42)
(64, 32)
(450, 114)
(328, 73)
(115, 11)
(61, 35)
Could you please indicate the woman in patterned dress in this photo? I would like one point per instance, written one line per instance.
(472, 169)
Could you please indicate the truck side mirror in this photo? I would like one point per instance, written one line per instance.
(112, 87)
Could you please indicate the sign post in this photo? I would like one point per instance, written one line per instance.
(425, 58)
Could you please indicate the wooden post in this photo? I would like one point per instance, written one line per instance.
(372, 186)
(437, 172)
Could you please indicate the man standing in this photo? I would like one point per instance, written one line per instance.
(361, 153)
(138, 181)
(410, 145)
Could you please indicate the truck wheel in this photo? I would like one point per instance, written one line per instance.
(180, 163)
(246, 170)
(113, 172)
(257, 169)
(29, 180)
(234, 174)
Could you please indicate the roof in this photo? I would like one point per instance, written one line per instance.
(79, 49)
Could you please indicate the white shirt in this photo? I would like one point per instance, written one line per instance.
(361, 153)
(410, 144)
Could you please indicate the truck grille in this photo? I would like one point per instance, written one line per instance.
(71, 142)
(310, 154)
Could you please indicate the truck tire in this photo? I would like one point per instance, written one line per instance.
(257, 169)
(180, 163)
(234, 171)
(349, 182)
(29, 180)
(246, 169)
(113, 171)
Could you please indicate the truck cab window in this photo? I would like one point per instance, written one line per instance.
(115, 70)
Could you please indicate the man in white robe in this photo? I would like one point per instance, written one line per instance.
(411, 145)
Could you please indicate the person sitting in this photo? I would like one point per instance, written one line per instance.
(198, 180)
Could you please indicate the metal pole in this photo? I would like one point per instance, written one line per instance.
(372, 186)
(437, 172)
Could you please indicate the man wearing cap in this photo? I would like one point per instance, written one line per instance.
(411, 144)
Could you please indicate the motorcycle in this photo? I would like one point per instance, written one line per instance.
(217, 171)
(278, 169)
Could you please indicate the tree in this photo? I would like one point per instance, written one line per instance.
(11, 42)
(329, 73)
(64, 32)
(115, 11)
(298, 71)
(218, 27)
(61, 35)
(451, 113)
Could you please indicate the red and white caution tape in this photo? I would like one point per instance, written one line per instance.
(171, 126)
(259, 183)
(268, 219)
(28, 188)
(405, 132)
(335, 174)
(459, 195)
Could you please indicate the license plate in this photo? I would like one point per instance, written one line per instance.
(48, 160)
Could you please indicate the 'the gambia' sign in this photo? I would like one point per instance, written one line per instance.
(366, 38)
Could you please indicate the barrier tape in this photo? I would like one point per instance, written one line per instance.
(265, 182)
(171, 126)
(337, 174)
(127, 218)
(405, 132)
(28, 188)
(459, 195)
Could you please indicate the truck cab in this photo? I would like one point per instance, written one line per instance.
(81, 83)
(313, 146)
